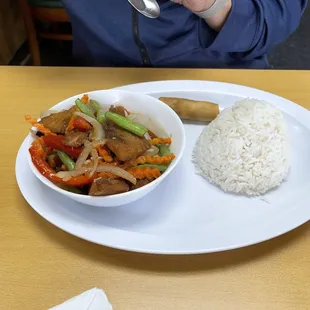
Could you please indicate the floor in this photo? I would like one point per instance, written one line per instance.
(294, 53)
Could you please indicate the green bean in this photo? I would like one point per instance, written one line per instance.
(127, 124)
(71, 189)
(84, 108)
(95, 104)
(100, 113)
(161, 168)
(163, 149)
(66, 160)
(101, 116)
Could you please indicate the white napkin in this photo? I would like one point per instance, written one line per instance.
(94, 299)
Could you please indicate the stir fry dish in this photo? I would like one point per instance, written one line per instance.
(97, 152)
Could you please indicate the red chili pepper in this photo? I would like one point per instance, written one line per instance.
(81, 124)
(56, 143)
(37, 152)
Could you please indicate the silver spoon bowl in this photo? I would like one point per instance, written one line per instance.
(148, 8)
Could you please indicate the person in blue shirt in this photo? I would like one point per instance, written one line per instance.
(239, 34)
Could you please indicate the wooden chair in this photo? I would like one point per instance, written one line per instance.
(50, 11)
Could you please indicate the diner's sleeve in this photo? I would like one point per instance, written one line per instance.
(253, 27)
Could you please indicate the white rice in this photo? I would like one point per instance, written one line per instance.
(245, 149)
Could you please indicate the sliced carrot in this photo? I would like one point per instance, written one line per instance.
(107, 175)
(104, 154)
(140, 161)
(85, 99)
(155, 160)
(39, 126)
(160, 141)
(145, 173)
(71, 123)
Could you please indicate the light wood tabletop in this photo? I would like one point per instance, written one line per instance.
(41, 266)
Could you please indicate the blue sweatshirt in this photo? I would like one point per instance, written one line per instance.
(112, 33)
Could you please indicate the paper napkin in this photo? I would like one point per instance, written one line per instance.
(94, 299)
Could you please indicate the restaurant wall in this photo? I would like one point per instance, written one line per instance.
(12, 30)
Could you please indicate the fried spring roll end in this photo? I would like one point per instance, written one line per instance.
(192, 110)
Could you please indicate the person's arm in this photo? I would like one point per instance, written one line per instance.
(217, 21)
(253, 27)
(250, 28)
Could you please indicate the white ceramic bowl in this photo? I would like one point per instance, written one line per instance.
(135, 102)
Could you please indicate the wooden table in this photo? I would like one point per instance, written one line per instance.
(41, 266)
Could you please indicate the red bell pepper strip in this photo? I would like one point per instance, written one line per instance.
(56, 143)
(37, 153)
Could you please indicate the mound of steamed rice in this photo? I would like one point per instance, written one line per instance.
(245, 149)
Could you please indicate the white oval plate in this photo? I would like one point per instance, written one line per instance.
(186, 214)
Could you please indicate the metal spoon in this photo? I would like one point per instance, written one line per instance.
(148, 8)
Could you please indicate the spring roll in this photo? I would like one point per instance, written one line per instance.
(192, 110)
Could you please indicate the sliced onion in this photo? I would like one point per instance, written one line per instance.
(154, 150)
(87, 162)
(99, 142)
(67, 178)
(33, 132)
(147, 136)
(83, 156)
(98, 132)
(67, 175)
(95, 158)
(119, 172)
(148, 123)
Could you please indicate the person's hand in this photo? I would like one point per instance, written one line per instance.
(217, 21)
(195, 5)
